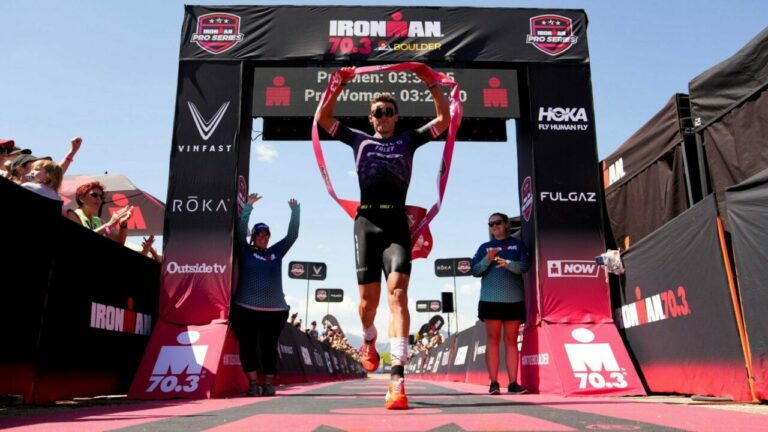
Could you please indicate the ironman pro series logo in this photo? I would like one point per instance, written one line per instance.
(217, 32)
(551, 34)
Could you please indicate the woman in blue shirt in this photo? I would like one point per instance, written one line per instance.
(500, 262)
(260, 311)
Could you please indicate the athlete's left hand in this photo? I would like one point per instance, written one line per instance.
(292, 203)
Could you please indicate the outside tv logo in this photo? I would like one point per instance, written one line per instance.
(572, 268)
(594, 364)
(179, 368)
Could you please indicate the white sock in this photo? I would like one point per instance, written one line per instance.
(399, 349)
(370, 333)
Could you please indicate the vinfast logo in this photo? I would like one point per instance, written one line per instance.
(206, 128)
(594, 364)
(217, 32)
(551, 34)
(572, 268)
(195, 204)
(200, 268)
(179, 368)
(526, 194)
(563, 119)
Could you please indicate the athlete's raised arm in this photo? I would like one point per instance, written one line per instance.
(325, 117)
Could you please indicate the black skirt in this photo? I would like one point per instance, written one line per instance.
(501, 311)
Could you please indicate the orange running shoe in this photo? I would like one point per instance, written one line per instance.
(368, 356)
(396, 399)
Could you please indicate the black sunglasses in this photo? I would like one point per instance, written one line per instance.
(96, 195)
(379, 112)
(496, 222)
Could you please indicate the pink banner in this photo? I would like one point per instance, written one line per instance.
(419, 218)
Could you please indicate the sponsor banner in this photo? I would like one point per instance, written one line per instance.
(676, 287)
(450, 267)
(329, 295)
(384, 34)
(180, 362)
(307, 270)
(292, 355)
(430, 306)
(200, 214)
(565, 195)
(577, 359)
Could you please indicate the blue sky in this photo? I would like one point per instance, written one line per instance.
(107, 71)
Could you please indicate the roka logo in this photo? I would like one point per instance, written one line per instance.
(206, 128)
(572, 268)
(591, 362)
(217, 32)
(179, 368)
(195, 204)
(551, 34)
(297, 269)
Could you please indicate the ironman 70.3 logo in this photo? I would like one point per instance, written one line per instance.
(179, 368)
(217, 32)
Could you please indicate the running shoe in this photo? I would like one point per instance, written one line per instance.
(254, 390)
(368, 355)
(494, 389)
(515, 388)
(396, 399)
(267, 390)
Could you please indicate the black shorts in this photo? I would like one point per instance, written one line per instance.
(501, 311)
(382, 242)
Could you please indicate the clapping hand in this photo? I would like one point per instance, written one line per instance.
(252, 198)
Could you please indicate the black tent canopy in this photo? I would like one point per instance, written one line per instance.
(730, 105)
(644, 178)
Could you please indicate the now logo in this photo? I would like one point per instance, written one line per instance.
(558, 114)
(572, 268)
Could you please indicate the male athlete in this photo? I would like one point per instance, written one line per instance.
(382, 236)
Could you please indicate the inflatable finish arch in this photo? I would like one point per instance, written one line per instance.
(571, 345)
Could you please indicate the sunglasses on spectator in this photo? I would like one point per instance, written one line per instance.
(494, 223)
(96, 195)
(380, 112)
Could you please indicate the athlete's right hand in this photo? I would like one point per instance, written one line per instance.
(252, 198)
(292, 203)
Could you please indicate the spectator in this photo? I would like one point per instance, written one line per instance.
(260, 310)
(500, 262)
(292, 321)
(9, 153)
(45, 179)
(69, 157)
(21, 167)
(90, 197)
(312, 332)
(148, 250)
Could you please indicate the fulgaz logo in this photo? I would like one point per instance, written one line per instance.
(179, 368)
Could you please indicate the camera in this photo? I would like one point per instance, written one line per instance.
(611, 261)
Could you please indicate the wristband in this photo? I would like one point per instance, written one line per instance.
(69, 158)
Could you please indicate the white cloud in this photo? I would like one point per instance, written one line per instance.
(266, 153)
(470, 288)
